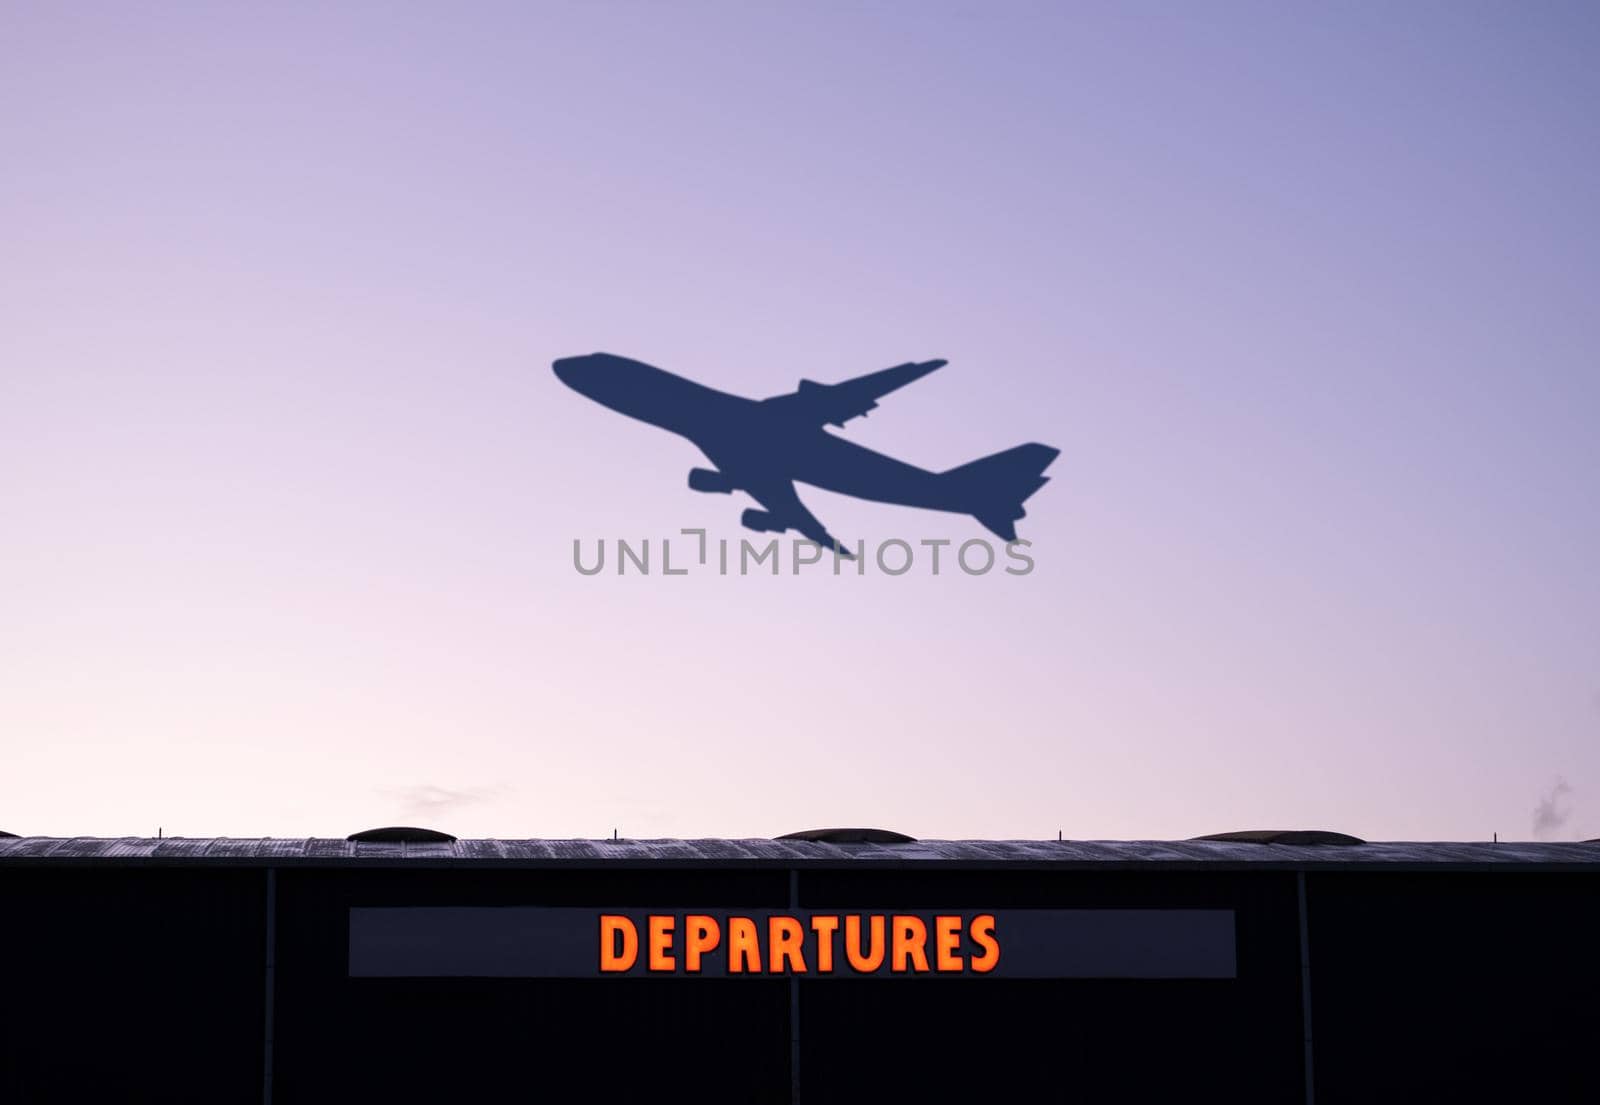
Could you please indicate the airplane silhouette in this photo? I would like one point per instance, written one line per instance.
(763, 447)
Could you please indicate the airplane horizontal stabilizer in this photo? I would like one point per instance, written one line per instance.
(995, 487)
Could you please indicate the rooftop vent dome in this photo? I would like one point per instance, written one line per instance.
(850, 836)
(401, 834)
(1284, 836)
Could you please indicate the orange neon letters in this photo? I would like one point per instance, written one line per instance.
(661, 943)
(786, 938)
(865, 962)
(611, 958)
(701, 934)
(910, 943)
(946, 939)
(744, 947)
(799, 943)
(825, 926)
(982, 933)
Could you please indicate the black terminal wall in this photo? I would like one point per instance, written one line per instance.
(1451, 986)
(146, 983)
(131, 985)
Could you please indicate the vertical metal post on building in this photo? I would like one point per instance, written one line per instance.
(794, 1000)
(1305, 985)
(270, 981)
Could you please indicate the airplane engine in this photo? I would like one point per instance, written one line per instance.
(705, 479)
(761, 522)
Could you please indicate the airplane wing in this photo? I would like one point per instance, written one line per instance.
(788, 512)
(836, 404)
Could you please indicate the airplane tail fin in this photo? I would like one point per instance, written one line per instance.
(996, 486)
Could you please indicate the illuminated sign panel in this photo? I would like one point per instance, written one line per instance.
(533, 942)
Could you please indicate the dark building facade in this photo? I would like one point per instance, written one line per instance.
(302, 971)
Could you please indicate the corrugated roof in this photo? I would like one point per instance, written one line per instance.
(319, 851)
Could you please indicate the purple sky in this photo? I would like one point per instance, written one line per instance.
(1307, 296)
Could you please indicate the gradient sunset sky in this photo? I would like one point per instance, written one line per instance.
(1308, 295)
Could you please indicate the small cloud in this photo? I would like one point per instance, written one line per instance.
(1550, 815)
(426, 799)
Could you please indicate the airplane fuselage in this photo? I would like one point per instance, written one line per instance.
(750, 440)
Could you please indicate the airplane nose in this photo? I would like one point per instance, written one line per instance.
(566, 369)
